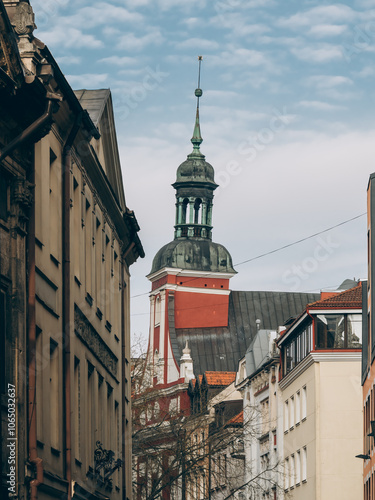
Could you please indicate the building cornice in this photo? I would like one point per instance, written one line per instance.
(317, 357)
(190, 289)
(175, 271)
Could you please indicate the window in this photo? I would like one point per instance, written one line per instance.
(339, 331)
(297, 348)
(286, 416)
(298, 407)
(54, 394)
(77, 407)
(157, 310)
(291, 419)
(304, 463)
(286, 472)
(292, 472)
(304, 403)
(298, 467)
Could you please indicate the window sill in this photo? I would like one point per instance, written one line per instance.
(55, 451)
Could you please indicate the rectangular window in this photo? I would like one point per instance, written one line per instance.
(298, 467)
(54, 387)
(339, 331)
(298, 407)
(304, 403)
(292, 475)
(77, 408)
(291, 418)
(286, 416)
(39, 385)
(286, 474)
(90, 414)
(304, 463)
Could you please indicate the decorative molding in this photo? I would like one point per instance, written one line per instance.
(187, 273)
(91, 338)
(180, 288)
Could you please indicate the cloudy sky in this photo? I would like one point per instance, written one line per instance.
(287, 118)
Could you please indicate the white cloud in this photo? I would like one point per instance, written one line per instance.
(326, 30)
(328, 81)
(318, 54)
(326, 14)
(67, 37)
(197, 43)
(132, 42)
(239, 56)
(68, 60)
(87, 80)
(118, 60)
(320, 105)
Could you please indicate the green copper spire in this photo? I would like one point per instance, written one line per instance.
(197, 138)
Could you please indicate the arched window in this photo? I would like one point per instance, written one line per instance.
(197, 207)
(185, 204)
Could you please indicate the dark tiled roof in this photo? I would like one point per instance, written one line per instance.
(219, 349)
(349, 299)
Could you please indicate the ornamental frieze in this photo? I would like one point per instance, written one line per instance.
(91, 338)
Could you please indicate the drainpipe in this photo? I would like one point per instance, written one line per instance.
(31, 351)
(123, 419)
(34, 127)
(66, 309)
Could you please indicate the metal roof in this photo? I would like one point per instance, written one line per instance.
(219, 349)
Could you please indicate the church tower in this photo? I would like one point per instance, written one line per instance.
(190, 275)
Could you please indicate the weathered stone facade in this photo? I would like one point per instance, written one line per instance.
(67, 242)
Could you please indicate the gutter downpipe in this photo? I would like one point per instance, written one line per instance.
(31, 334)
(66, 310)
(123, 374)
(31, 129)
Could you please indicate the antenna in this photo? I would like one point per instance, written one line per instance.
(198, 91)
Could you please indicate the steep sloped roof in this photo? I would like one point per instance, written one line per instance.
(258, 352)
(349, 299)
(219, 349)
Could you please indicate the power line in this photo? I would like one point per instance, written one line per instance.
(300, 241)
(275, 250)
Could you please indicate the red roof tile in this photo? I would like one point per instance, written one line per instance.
(349, 299)
(220, 378)
(237, 419)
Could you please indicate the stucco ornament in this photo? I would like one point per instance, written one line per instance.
(24, 19)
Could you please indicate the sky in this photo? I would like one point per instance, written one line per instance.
(287, 120)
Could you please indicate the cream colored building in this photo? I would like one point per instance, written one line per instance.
(321, 398)
(81, 240)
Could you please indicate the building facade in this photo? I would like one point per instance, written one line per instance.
(368, 353)
(257, 379)
(322, 415)
(80, 239)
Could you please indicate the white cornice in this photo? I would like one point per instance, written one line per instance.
(174, 271)
(332, 310)
(160, 393)
(179, 288)
(317, 357)
(290, 332)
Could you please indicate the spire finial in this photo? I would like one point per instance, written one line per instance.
(197, 138)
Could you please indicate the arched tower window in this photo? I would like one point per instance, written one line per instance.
(185, 204)
(197, 208)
